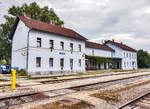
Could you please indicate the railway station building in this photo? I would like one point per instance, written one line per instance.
(42, 48)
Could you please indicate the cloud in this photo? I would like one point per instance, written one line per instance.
(123, 20)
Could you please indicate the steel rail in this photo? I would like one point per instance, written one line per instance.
(134, 100)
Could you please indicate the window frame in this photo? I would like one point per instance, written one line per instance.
(39, 42)
(51, 62)
(62, 63)
(38, 62)
(79, 46)
(51, 43)
(79, 62)
(62, 45)
(71, 47)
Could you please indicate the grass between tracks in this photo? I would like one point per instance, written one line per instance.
(113, 95)
(58, 105)
(92, 72)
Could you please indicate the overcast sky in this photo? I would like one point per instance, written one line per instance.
(122, 20)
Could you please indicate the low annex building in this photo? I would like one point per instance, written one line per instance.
(42, 48)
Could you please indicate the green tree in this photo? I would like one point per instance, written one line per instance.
(43, 14)
(143, 59)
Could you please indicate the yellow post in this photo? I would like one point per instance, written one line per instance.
(13, 87)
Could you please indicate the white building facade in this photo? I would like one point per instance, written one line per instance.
(126, 54)
(41, 52)
(42, 48)
(98, 50)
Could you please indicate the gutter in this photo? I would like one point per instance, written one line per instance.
(27, 59)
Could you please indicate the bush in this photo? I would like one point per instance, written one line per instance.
(22, 72)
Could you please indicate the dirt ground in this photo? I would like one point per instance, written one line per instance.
(60, 96)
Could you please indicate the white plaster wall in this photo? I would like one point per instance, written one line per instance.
(118, 50)
(98, 52)
(45, 53)
(19, 44)
(119, 53)
(129, 60)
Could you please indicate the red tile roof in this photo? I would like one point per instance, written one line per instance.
(121, 45)
(98, 46)
(42, 26)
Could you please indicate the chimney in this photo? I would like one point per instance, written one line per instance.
(121, 43)
(28, 16)
(53, 22)
(112, 40)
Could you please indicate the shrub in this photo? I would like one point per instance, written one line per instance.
(22, 72)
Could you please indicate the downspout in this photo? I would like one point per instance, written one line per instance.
(27, 59)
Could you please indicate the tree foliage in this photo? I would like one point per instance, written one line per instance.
(99, 59)
(143, 59)
(43, 14)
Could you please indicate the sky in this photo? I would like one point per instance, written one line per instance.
(126, 21)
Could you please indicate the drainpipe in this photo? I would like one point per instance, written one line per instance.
(27, 59)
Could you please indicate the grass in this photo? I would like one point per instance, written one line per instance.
(92, 72)
(112, 95)
(3, 80)
(58, 105)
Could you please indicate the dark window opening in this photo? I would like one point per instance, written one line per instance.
(51, 43)
(38, 61)
(62, 63)
(62, 45)
(38, 42)
(51, 62)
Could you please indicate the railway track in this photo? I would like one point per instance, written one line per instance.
(78, 78)
(25, 98)
(140, 102)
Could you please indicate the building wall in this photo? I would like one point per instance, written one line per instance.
(45, 53)
(126, 63)
(118, 50)
(98, 52)
(19, 46)
(129, 60)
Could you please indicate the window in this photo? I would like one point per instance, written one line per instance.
(79, 47)
(71, 64)
(79, 62)
(51, 43)
(62, 45)
(125, 64)
(38, 61)
(93, 52)
(127, 55)
(124, 54)
(39, 42)
(130, 55)
(71, 47)
(50, 62)
(62, 63)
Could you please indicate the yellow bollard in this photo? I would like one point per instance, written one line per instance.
(13, 87)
